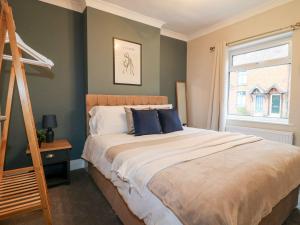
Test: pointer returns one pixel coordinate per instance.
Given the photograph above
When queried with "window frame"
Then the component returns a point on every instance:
(257, 47)
(264, 43)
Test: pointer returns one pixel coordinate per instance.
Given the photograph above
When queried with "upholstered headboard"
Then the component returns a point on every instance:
(111, 100)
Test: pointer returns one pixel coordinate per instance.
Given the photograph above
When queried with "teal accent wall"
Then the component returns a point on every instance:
(101, 28)
(58, 34)
(81, 46)
(173, 54)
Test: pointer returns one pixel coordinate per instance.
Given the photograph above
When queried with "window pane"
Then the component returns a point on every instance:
(242, 78)
(265, 93)
(275, 104)
(241, 99)
(277, 52)
(259, 103)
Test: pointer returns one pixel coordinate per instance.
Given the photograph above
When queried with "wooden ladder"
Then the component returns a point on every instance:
(21, 190)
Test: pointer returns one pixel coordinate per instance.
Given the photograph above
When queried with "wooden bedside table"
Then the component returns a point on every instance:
(56, 162)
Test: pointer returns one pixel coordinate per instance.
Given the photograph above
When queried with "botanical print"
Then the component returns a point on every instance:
(127, 62)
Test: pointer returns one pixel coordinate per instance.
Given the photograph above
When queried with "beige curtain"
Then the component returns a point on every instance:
(218, 99)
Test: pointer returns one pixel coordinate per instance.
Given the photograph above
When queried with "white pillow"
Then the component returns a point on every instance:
(107, 120)
(129, 118)
(166, 106)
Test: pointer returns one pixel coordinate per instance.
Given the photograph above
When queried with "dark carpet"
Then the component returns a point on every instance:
(81, 203)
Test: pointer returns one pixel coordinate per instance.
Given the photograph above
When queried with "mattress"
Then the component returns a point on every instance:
(148, 208)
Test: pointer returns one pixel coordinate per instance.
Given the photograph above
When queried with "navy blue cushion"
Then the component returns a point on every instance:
(169, 120)
(145, 122)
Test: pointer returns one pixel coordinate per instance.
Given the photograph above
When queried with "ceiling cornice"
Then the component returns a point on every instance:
(80, 5)
(238, 18)
(123, 12)
(75, 5)
(173, 34)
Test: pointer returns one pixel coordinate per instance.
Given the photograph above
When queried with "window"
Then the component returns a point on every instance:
(241, 99)
(259, 103)
(259, 80)
(242, 78)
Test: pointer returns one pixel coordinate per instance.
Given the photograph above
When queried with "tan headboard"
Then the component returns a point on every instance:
(111, 100)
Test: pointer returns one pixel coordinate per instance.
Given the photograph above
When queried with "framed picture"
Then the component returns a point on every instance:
(127, 62)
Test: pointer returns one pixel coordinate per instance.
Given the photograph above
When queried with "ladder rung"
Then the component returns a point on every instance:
(29, 206)
(18, 177)
(18, 183)
(19, 195)
(14, 172)
(18, 202)
(17, 191)
(3, 202)
(16, 188)
(2, 118)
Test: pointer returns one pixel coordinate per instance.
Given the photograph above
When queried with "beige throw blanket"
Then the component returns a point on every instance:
(116, 150)
(212, 179)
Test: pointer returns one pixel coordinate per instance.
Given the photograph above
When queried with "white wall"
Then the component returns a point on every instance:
(199, 64)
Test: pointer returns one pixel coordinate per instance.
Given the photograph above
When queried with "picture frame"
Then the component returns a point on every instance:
(127, 62)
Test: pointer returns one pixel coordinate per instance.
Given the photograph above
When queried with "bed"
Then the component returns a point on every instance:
(153, 207)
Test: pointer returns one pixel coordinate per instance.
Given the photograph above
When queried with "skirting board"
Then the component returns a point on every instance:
(77, 164)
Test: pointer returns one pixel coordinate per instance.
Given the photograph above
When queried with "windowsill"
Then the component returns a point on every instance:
(275, 121)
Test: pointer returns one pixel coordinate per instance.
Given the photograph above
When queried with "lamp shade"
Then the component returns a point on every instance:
(49, 121)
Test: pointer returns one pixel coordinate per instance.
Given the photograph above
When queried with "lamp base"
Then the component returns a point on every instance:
(49, 135)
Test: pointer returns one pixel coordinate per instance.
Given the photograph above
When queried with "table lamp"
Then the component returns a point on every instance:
(49, 122)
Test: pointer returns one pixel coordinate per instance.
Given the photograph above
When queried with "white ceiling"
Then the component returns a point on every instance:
(191, 16)
(182, 19)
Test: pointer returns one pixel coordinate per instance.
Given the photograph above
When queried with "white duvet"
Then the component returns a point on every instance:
(141, 202)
